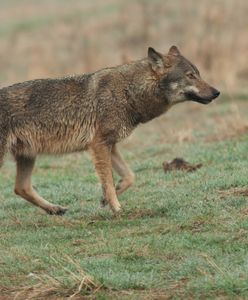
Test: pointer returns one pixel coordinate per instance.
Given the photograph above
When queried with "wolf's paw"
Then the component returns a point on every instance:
(56, 210)
(115, 207)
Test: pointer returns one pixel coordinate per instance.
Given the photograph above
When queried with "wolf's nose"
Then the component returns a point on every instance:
(215, 93)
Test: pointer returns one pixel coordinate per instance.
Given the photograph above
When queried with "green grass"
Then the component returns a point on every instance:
(179, 235)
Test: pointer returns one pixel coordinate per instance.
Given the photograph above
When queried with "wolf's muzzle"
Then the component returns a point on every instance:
(215, 92)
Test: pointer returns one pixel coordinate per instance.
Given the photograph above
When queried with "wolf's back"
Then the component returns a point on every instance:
(49, 115)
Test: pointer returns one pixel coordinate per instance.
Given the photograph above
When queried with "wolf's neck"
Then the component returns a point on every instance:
(142, 93)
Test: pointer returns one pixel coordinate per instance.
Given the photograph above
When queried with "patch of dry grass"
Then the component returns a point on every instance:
(70, 285)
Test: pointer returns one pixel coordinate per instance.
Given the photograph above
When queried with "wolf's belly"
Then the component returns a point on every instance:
(56, 140)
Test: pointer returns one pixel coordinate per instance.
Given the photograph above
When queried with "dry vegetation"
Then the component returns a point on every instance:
(47, 286)
(53, 38)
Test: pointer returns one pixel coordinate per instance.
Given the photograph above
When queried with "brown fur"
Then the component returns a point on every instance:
(92, 112)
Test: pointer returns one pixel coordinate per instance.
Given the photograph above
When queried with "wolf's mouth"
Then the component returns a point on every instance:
(194, 97)
(204, 100)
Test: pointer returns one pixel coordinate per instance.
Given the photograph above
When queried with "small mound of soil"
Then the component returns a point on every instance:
(180, 164)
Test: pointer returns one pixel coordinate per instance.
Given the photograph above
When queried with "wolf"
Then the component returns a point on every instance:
(93, 112)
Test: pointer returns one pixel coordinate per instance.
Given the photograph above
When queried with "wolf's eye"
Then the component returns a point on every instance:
(191, 75)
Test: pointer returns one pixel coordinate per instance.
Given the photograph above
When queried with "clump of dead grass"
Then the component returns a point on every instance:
(73, 282)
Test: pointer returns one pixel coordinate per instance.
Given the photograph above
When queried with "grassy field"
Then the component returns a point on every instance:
(180, 235)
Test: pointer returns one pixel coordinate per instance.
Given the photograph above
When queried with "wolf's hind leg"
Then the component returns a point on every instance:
(123, 170)
(23, 186)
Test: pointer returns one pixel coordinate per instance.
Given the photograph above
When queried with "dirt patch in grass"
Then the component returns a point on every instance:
(134, 214)
(243, 192)
(181, 165)
(244, 212)
(195, 226)
(235, 192)
(145, 213)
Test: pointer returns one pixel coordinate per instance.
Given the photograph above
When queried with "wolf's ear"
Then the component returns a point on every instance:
(174, 51)
(156, 59)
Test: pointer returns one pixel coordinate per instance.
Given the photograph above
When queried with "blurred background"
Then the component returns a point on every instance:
(51, 38)
(55, 37)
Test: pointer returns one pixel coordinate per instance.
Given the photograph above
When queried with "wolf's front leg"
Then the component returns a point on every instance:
(101, 154)
(123, 170)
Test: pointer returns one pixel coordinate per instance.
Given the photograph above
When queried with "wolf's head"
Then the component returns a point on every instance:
(178, 79)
